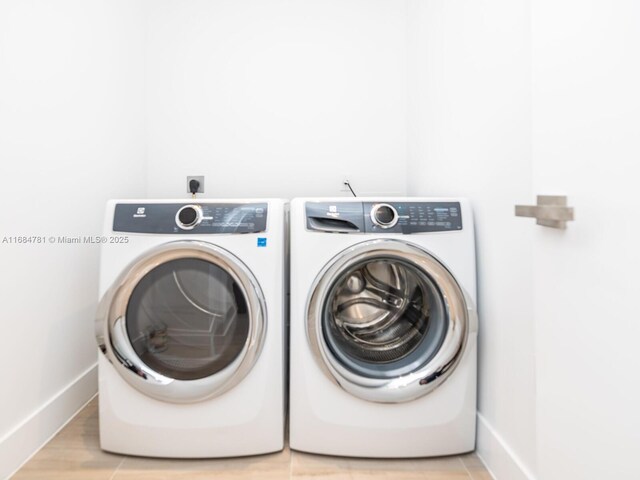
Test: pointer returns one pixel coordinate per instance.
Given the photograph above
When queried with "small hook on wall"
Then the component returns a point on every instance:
(550, 211)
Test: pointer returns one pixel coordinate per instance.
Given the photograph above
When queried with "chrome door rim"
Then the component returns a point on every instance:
(114, 342)
(428, 377)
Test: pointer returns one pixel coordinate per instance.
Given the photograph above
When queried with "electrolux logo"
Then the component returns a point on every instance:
(140, 213)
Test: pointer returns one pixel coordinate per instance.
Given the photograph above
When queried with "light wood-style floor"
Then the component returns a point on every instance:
(74, 454)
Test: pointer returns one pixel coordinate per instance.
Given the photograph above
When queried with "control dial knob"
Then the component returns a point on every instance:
(384, 215)
(189, 216)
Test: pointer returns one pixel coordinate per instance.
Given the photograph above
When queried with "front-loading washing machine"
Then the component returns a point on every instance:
(383, 327)
(191, 327)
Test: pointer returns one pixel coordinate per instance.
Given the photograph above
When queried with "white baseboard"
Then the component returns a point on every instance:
(501, 461)
(21, 443)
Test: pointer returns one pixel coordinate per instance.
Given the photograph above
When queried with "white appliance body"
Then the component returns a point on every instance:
(199, 287)
(341, 405)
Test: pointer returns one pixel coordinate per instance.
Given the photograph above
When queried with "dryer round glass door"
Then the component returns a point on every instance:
(187, 319)
(387, 321)
(184, 322)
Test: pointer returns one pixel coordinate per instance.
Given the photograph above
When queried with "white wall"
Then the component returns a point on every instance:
(71, 135)
(470, 134)
(277, 98)
(586, 144)
(522, 98)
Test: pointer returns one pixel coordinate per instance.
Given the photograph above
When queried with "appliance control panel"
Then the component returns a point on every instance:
(198, 218)
(384, 217)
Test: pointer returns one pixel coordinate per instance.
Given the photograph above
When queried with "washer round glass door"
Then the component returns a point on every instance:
(387, 321)
(184, 322)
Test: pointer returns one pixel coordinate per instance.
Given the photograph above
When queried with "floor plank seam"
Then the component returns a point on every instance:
(117, 468)
(466, 469)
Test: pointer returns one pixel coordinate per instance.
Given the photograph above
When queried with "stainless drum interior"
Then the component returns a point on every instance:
(387, 321)
(383, 317)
